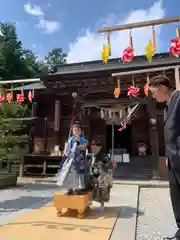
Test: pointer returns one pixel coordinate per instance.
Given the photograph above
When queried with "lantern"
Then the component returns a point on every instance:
(128, 53)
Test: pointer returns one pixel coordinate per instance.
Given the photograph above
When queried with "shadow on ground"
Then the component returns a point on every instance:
(24, 202)
(38, 187)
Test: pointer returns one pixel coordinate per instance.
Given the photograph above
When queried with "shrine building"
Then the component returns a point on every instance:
(89, 86)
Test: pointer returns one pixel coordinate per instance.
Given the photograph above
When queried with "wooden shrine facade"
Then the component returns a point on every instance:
(94, 85)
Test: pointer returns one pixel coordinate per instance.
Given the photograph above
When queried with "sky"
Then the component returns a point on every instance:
(73, 25)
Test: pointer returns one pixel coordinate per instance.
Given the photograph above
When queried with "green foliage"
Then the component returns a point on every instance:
(54, 58)
(12, 129)
(19, 63)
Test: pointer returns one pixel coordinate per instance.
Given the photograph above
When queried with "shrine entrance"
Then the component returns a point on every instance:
(122, 140)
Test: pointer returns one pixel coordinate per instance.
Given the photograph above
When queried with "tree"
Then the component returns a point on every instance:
(12, 130)
(15, 62)
(54, 58)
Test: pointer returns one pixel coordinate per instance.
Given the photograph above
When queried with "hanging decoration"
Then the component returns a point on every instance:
(175, 45)
(150, 48)
(20, 97)
(1, 98)
(146, 87)
(149, 52)
(30, 96)
(128, 53)
(102, 114)
(131, 113)
(117, 90)
(105, 53)
(133, 91)
(9, 97)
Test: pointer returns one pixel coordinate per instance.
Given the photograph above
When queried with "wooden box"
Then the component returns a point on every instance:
(76, 202)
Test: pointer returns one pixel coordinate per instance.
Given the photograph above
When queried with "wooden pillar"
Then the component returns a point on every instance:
(45, 134)
(177, 79)
(153, 136)
(57, 121)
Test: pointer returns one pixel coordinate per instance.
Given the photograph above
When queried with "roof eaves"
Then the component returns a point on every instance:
(117, 66)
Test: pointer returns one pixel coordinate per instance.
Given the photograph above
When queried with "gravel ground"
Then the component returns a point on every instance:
(15, 202)
(155, 219)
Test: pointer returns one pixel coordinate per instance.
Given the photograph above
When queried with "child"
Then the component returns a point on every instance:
(100, 170)
(73, 171)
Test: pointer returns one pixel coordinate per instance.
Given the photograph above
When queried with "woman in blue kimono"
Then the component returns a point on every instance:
(72, 175)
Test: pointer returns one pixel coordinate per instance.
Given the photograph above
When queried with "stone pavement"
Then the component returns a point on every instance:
(17, 201)
(16, 205)
(156, 220)
(21, 205)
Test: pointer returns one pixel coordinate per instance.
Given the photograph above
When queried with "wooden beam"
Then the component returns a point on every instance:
(93, 90)
(177, 79)
(35, 80)
(139, 24)
(159, 69)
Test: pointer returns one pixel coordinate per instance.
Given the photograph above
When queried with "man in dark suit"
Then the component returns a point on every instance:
(163, 91)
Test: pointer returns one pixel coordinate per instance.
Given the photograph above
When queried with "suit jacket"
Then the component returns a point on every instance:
(172, 131)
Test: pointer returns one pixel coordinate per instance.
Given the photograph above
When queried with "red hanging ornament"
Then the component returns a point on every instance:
(133, 91)
(1, 98)
(19, 98)
(175, 47)
(22, 92)
(30, 96)
(9, 97)
(128, 55)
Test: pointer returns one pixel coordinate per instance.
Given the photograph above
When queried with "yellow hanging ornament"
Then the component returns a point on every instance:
(105, 53)
(149, 51)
